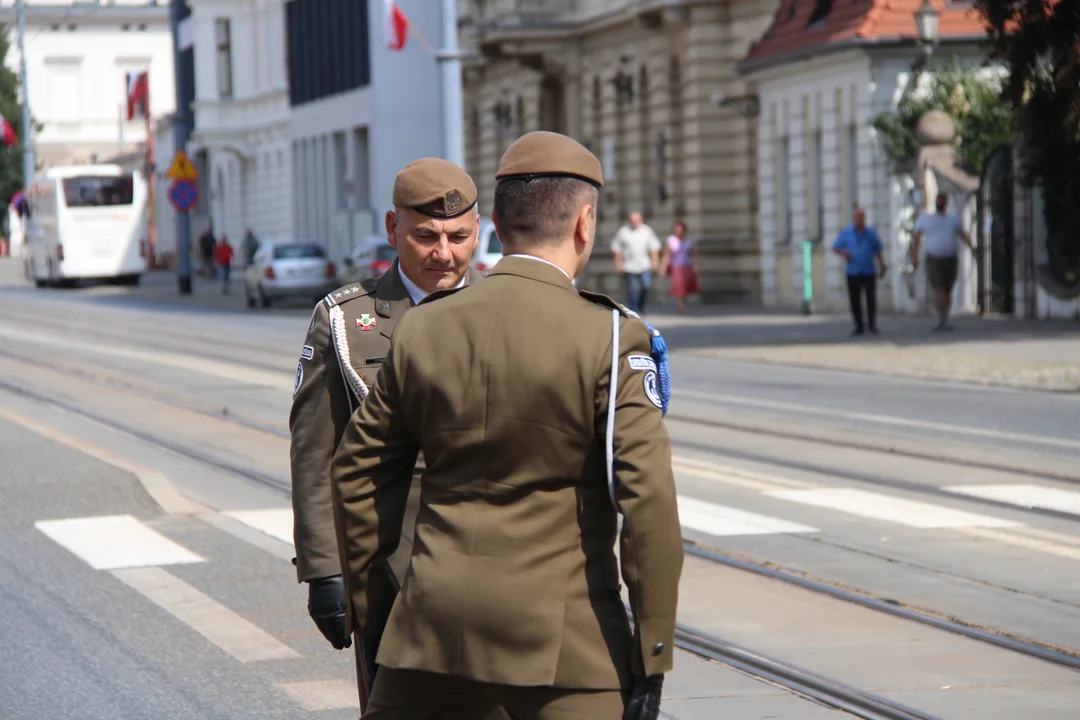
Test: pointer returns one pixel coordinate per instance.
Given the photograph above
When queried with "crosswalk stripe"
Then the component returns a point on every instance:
(275, 522)
(115, 541)
(315, 695)
(720, 520)
(890, 508)
(1026, 496)
(221, 626)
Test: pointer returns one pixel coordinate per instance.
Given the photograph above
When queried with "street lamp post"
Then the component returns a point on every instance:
(27, 127)
(927, 18)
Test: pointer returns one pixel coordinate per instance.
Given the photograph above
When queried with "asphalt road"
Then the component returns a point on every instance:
(203, 397)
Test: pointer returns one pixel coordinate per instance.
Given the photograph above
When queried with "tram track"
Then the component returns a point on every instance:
(1065, 657)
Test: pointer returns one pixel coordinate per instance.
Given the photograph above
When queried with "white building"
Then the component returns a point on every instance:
(822, 72)
(359, 113)
(240, 141)
(78, 56)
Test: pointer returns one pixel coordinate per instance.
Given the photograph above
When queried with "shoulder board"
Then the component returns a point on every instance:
(348, 292)
(440, 294)
(601, 299)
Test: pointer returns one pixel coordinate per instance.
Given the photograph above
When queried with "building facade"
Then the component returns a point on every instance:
(240, 132)
(639, 84)
(358, 113)
(822, 72)
(78, 57)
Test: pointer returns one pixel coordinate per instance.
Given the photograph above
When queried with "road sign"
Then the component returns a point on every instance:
(183, 195)
(181, 168)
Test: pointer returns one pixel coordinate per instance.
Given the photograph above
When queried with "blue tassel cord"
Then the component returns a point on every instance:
(660, 357)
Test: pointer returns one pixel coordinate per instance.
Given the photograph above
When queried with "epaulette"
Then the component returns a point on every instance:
(348, 292)
(658, 349)
(440, 294)
(601, 299)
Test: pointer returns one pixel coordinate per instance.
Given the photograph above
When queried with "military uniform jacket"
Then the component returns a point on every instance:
(513, 577)
(346, 342)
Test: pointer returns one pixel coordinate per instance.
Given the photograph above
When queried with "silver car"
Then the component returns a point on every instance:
(283, 270)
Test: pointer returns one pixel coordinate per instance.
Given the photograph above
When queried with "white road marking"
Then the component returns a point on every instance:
(890, 508)
(721, 521)
(1016, 538)
(735, 476)
(115, 541)
(315, 695)
(227, 371)
(1026, 496)
(275, 522)
(206, 616)
(880, 419)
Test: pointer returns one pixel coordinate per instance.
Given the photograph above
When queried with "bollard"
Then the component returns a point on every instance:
(808, 277)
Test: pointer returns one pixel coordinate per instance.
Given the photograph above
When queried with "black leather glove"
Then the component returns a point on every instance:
(644, 701)
(326, 606)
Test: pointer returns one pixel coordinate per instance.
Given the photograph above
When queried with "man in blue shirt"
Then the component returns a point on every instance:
(859, 245)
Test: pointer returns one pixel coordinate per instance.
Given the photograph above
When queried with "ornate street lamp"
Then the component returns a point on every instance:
(926, 21)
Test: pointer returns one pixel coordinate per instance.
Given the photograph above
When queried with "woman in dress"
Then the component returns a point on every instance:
(679, 262)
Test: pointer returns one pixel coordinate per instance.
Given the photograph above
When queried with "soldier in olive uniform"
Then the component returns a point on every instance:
(435, 227)
(539, 413)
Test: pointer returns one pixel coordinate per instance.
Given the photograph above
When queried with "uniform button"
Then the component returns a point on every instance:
(657, 649)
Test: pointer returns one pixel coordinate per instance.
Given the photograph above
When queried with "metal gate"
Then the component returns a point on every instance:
(996, 235)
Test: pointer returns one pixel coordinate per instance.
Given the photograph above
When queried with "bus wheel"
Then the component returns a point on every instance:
(132, 279)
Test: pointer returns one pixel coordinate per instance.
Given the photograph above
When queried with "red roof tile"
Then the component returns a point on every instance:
(854, 20)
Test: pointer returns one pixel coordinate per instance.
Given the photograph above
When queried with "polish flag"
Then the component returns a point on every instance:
(8, 137)
(397, 26)
(138, 94)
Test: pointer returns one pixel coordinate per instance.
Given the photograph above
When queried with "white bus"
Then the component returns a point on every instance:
(86, 222)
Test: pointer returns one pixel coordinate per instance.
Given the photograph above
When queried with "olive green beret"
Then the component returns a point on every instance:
(434, 187)
(548, 154)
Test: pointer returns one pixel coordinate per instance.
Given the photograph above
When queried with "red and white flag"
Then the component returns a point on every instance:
(138, 94)
(396, 26)
(8, 137)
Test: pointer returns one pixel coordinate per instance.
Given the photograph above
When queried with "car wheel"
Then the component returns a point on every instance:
(263, 300)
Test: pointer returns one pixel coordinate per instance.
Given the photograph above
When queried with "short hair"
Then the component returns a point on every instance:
(539, 210)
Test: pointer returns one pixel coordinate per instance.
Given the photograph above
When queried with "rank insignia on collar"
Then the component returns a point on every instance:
(365, 322)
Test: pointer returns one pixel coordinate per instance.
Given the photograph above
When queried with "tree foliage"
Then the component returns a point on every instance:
(1039, 41)
(11, 169)
(971, 98)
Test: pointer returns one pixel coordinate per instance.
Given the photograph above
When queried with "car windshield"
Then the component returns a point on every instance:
(385, 253)
(494, 245)
(292, 252)
(95, 191)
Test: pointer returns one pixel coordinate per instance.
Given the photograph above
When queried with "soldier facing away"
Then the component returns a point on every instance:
(539, 412)
(435, 227)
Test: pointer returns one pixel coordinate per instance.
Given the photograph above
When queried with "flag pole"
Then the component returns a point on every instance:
(450, 69)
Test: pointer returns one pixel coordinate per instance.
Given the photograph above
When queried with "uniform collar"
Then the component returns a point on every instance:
(533, 268)
(414, 290)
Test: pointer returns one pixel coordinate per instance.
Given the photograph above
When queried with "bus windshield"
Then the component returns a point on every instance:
(95, 191)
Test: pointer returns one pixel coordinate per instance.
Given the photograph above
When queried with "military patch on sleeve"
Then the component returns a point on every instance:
(642, 362)
(299, 377)
(652, 389)
(307, 352)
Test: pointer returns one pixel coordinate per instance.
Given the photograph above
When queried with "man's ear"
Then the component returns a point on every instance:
(583, 224)
(391, 228)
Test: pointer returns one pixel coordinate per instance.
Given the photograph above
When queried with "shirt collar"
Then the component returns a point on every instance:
(547, 262)
(415, 292)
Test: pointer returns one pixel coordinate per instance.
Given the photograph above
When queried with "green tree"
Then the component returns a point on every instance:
(971, 97)
(1039, 41)
(11, 167)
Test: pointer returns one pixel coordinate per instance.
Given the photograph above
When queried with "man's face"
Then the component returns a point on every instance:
(859, 219)
(635, 220)
(433, 252)
(942, 202)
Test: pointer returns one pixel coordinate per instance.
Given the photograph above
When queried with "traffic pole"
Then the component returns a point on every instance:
(180, 141)
(450, 71)
(27, 126)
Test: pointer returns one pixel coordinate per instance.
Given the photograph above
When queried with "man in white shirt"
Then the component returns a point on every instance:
(637, 256)
(943, 233)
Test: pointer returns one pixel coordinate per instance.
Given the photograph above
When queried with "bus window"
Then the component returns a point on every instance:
(87, 191)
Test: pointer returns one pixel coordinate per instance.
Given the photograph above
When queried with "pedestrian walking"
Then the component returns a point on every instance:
(223, 256)
(859, 244)
(637, 256)
(206, 252)
(250, 246)
(539, 413)
(680, 264)
(943, 232)
(435, 227)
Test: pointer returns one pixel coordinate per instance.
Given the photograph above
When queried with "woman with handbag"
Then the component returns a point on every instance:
(679, 263)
